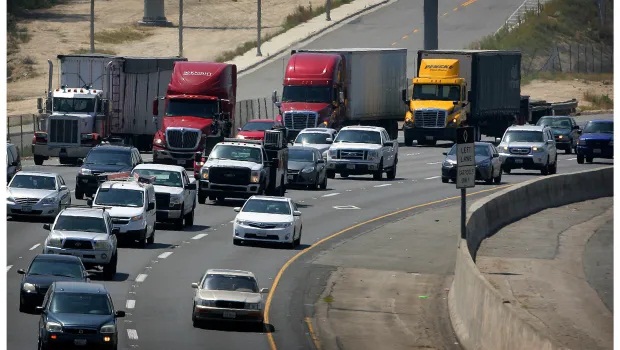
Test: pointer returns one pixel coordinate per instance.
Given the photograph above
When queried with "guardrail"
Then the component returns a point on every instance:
(517, 17)
(480, 317)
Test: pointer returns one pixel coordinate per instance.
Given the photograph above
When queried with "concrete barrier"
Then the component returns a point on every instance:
(480, 317)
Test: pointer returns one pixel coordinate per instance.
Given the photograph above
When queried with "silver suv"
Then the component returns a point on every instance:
(529, 147)
(87, 233)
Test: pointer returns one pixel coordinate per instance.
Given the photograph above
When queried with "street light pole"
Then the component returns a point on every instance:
(180, 28)
(258, 25)
(328, 7)
(92, 26)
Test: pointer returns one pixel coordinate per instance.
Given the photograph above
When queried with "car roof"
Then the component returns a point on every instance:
(128, 185)
(527, 128)
(261, 121)
(318, 130)
(113, 147)
(239, 143)
(56, 257)
(303, 148)
(153, 166)
(36, 173)
(230, 272)
(556, 116)
(601, 121)
(89, 212)
(271, 198)
(80, 287)
(363, 127)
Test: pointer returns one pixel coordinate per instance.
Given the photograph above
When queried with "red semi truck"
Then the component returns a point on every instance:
(199, 107)
(340, 87)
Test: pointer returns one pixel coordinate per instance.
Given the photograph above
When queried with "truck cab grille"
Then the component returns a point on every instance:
(430, 118)
(64, 131)
(519, 150)
(300, 120)
(183, 138)
(352, 154)
(162, 200)
(77, 244)
(230, 176)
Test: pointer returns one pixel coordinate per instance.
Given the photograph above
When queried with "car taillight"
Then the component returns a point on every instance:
(89, 138)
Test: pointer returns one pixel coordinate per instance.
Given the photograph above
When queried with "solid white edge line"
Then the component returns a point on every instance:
(34, 246)
(141, 277)
(384, 185)
(199, 236)
(433, 177)
(132, 334)
(8, 268)
(331, 194)
(164, 255)
(433, 163)
(130, 304)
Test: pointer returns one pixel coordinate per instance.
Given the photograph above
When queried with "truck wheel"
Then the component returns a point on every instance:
(391, 174)
(202, 198)
(580, 158)
(408, 140)
(421, 142)
(38, 160)
(554, 167)
(189, 219)
(330, 174)
(589, 159)
(109, 270)
(324, 183)
(445, 180)
(569, 150)
(79, 194)
(378, 175)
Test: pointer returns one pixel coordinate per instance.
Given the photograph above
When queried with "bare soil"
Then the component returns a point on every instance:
(564, 90)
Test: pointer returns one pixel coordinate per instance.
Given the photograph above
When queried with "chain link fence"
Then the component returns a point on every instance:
(569, 58)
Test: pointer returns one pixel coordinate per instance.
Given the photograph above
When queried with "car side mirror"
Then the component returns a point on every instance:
(264, 290)
(274, 96)
(119, 313)
(389, 143)
(195, 285)
(495, 155)
(444, 153)
(575, 127)
(237, 209)
(80, 162)
(89, 202)
(155, 107)
(190, 186)
(21, 271)
(329, 140)
(320, 161)
(116, 231)
(238, 129)
(403, 95)
(38, 309)
(63, 187)
(151, 206)
(47, 227)
(296, 213)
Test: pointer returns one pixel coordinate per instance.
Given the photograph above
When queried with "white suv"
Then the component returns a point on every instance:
(131, 204)
(360, 150)
(529, 147)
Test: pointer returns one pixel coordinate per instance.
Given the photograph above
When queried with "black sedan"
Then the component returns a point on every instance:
(488, 164)
(565, 131)
(306, 167)
(44, 270)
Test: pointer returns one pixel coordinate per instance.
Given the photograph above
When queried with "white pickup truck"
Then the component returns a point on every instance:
(361, 150)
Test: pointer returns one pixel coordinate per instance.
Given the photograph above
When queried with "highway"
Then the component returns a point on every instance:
(154, 284)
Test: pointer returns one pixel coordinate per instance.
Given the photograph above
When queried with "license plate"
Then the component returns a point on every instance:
(26, 208)
(80, 342)
(597, 150)
(180, 161)
(85, 181)
(261, 234)
(229, 314)
(518, 161)
(350, 166)
(430, 138)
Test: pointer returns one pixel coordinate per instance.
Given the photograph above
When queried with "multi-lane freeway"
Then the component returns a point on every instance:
(154, 284)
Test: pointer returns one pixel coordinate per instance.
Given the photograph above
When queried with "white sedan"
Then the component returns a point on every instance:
(268, 219)
(35, 193)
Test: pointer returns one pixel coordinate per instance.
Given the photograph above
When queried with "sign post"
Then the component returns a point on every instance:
(465, 168)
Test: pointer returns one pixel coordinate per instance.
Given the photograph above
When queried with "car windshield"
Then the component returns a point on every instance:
(80, 303)
(120, 197)
(80, 223)
(267, 207)
(523, 136)
(304, 93)
(558, 123)
(300, 155)
(358, 136)
(33, 182)
(248, 154)
(74, 105)
(314, 138)
(56, 268)
(599, 127)
(230, 283)
(191, 108)
(436, 92)
(258, 126)
(108, 157)
(480, 150)
(162, 177)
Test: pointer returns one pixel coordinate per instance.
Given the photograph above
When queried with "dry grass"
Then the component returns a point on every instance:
(123, 35)
(598, 101)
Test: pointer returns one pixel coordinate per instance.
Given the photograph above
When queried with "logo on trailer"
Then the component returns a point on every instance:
(189, 72)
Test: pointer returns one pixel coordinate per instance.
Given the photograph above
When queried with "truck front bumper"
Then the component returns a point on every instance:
(76, 151)
(89, 257)
(352, 168)
(181, 158)
(602, 152)
(231, 191)
(430, 134)
(527, 162)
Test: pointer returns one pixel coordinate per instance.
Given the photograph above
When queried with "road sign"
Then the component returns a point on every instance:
(465, 158)
(465, 176)
(465, 155)
(465, 135)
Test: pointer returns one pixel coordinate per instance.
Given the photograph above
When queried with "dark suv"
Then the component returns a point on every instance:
(78, 314)
(104, 159)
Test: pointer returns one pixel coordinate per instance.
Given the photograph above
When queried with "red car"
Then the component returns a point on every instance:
(255, 129)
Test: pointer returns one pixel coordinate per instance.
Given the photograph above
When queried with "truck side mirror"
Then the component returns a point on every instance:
(274, 96)
(403, 95)
(89, 202)
(40, 104)
(198, 157)
(155, 107)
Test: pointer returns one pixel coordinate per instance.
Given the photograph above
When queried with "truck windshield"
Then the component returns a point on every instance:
(599, 127)
(258, 126)
(436, 92)
(358, 136)
(192, 108)
(74, 105)
(307, 94)
(80, 223)
(523, 136)
(242, 153)
(119, 197)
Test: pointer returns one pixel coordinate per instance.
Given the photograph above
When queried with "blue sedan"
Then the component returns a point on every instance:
(596, 141)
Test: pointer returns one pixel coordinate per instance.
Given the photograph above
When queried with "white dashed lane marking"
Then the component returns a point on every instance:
(384, 185)
(199, 236)
(331, 194)
(141, 277)
(432, 177)
(8, 268)
(132, 334)
(130, 304)
(34, 246)
(164, 255)
(568, 159)
(433, 163)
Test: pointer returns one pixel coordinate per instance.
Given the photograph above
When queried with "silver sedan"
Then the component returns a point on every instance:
(37, 193)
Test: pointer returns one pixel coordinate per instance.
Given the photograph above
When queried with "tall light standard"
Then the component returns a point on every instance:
(258, 15)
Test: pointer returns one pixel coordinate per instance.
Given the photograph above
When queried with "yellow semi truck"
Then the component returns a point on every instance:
(479, 88)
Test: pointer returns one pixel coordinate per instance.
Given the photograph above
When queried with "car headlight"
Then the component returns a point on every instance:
(10, 199)
(29, 287)
(52, 326)
(241, 222)
(252, 306)
(49, 200)
(373, 155)
(332, 153)
(560, 136)
(55, 242)
(207, 302)
(285, 224)
(101, 245)
(159, 141)
(447, 164)
(84, 171)
(308, 169)
(176, 199)
(204, 174)
(255, 178)
(108, 328)
(537, 149)
(137, 217)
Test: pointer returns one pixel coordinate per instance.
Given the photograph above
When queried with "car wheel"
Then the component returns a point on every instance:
(109, 270)
(40, 345)
(195, 322)
(23, 307)
(298, 240)
(330, 174)
(236, 241)
(142, 240)
(378, 175)
(589, 159)
(38, 160)
(202, 198)
(324, 183)
(507, 170)
(151, 239)
(569, 150)
(498, 179)
(79, 194)
(580, 159)
(488, 181)
(546, 169)
(344, 175)
(554, 167)
(391, 175)
(445, 180)
(189, 219)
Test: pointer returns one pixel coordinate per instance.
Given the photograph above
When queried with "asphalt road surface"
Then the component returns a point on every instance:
(159, 303)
